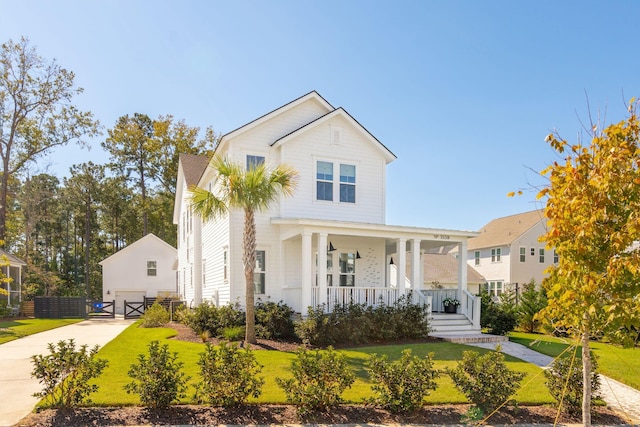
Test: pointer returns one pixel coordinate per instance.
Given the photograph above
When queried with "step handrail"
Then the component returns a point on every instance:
(472, 308)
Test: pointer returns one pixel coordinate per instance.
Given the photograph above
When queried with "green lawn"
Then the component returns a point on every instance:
(622, 364)
(14, 329)
(123, 351)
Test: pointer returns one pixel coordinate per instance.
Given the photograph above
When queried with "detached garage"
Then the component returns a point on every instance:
(145, 268)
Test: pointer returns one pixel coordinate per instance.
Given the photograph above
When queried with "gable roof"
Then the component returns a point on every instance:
(13, 260)
(389, 156)
(149, 237)
(504, 231)
(311, 95)
(443, 268)
(193, 166)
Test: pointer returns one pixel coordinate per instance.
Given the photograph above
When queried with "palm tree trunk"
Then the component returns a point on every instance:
(249, 260)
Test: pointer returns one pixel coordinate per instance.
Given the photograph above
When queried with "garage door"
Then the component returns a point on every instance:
(131, 296)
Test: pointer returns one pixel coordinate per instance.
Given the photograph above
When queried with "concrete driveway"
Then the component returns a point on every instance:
(16, 384)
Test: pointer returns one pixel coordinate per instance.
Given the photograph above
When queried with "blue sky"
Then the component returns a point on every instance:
(463, 92)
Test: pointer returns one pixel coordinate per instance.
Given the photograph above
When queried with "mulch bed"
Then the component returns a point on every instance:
(286, 414)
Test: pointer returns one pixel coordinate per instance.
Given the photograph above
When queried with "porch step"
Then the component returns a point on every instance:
(450, 324)
(466, 338)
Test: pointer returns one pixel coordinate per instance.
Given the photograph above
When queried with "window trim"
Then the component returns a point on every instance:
(256, 161)
(476, 258)
(496, 255)
(346, 274)
(346, 184)
(154, 268)
(523, 254)
(541, 255)
(262, 272)
(323, 180)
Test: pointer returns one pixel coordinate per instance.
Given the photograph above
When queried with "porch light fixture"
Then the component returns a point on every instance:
(391, 262)
(108, 291)
(331, 248)
(358, 255)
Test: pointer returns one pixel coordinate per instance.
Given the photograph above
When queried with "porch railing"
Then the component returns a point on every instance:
(368, 296)
(472, 308)
(439, 295)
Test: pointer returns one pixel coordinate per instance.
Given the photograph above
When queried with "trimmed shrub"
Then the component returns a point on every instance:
(158, 380)
(229, 375)
(5, 310)
(208, 317)
(319, 378)
(65, 373)
(401, 386)
(235, 333)
(485, 380)
(274, 320)
(155, 316)
(564, 381)
(499, 318)
(360, 324)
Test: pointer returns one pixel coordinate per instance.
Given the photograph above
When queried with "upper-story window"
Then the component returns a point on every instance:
(476, 257)
(523, 254)
(152, 268)
(541, 255)
(324, 182)
(495, 254)
(324, 179)
(556, 258)
(348, 183)
(253, 161)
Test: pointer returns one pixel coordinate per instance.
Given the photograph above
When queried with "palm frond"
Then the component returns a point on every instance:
(206, 204)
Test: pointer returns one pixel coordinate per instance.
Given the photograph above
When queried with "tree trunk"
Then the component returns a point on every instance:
(249, 260)
(4, 190)
(87, 249)
(586, 379)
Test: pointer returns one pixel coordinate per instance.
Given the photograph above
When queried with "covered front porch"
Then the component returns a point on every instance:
(329, 263)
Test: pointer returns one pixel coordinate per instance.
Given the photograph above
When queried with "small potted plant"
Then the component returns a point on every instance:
(450, 305)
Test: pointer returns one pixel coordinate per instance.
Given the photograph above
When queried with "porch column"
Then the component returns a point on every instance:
(197, 259)
(416, 262)
(462, 274)
(306, 271)
(322, 269)
(402, 264)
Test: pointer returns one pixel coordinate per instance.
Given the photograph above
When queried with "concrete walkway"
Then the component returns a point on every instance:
(16, 384)
(620, 397)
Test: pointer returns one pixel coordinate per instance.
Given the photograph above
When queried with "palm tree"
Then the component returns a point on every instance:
(251, 190)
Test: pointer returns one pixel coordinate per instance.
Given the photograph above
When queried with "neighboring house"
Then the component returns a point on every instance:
(11, 267)
(328, 243)
(508, 253)
(145, 268)
(440, 271)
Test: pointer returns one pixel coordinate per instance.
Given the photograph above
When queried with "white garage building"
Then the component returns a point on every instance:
(145, 268)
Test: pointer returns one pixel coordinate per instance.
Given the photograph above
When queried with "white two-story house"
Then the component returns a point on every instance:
(508, 252)
(329, 243)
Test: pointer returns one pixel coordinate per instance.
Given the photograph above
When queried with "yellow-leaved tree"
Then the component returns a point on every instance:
(593, 213)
